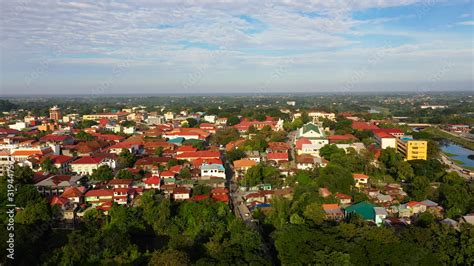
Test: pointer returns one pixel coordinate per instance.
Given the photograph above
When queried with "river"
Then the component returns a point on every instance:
(460, 152)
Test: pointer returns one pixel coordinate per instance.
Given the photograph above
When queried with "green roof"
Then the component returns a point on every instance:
(364, 209)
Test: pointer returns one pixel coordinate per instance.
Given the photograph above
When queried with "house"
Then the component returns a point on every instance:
(307, 146)
(332, 212)
(361, 180)
(61, 162)
(361, 126)
(241, 166)
(253, 155)
(341, 138)
(56, 184)
(73, 194)
(385, 140)
(363, 209)
(278, 147)
(398, 133)
(324, 192)
(458, 128)
(433, 208)
(168, 177)
(415, 207)
(380, 215)
(208, 127)
(278, 157)
(305, 162)
(467, 219)
(220, 194)
(344, 199)
(97, 197)
(57, 139)
(86, 165)
(120, 183)
(187, 133)
(181, 193)
(221, 122)
(185, 148)
(216, 170)
(147, 163)
(132, 147)
(152, 182)
(191, 156)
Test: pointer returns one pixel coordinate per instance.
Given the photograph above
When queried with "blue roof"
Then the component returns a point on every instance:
(212, 166)
(176, 140)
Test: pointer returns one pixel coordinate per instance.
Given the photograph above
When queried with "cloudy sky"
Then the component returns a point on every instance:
(147, 46)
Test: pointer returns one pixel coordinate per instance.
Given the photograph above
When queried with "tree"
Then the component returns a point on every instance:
(336, 178)
(233, 120)
(22, 174)
(201, 190)
(420, 188)
(191, 122)
(48, 166)
(125, 174)
(185, 173)
(103, 172)
(404, 171)
(327, 150)
(126, 159)
(169, 257)
(315, 213)
(35, 211)
(235, 154)
(159, 151)
(82, 135)
(224, 136)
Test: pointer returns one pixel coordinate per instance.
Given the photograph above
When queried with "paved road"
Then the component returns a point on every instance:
(454, 167)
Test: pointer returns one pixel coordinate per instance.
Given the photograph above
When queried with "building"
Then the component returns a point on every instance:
(380, 215)
(363, 209)
(181, 193)
(333, 212)
(412, 149)
(119, 116)
(241, 166)
(98, 197)
(215, 170)
(385, 140)
(55, 113)
(456, 128)
(86, 165)
(153, 182)
(360, 180)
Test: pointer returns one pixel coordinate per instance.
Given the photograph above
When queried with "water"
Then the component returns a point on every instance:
(461, 153)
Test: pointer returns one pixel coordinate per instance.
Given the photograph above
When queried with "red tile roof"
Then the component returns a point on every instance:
(58, 201)
(54, 137)
(71, 192)
(360, 176)
(167, 174)
(341, 137)
(199, 154)
(154, 180)
(87, 160)
(117, 181)
(359, 125)
(186, 148)
(181, 190)
(299, 143)
(100, 193)
(277, 156)
(58, 159)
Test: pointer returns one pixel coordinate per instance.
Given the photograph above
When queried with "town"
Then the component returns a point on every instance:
(277, 172)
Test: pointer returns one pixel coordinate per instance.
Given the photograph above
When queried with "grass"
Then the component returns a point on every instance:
(458, 162)
(450, 154)
(469, 167)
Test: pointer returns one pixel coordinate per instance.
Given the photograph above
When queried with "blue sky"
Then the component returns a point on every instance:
(145, 46)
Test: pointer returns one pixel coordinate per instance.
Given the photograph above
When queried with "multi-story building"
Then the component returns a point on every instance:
(119, 116)
(55, 113)
(412, 149)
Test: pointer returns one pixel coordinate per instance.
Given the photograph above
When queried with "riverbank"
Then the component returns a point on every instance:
(438, 133)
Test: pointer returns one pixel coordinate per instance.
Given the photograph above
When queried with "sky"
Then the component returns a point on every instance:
(101, 48)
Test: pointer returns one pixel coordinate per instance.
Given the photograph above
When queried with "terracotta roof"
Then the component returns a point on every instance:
(154, 180)
(219, 191)
(71, 192)
(117, 181)
(341, 137)
(58, 159)
(151, 160)
(388, 130)
(200, 161)
(87, 160)
(359, 125)
(58, 201)
(343, 196)
(277, 156)
(299, 143)
(360, 176)
(199, 154)
(31, 152)
(181, 190)
(305, 158)
(200, 197)
(100, 193)
(330, 206)
(167, 174)
(186, 148)
(278, 146)
(244, 163)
